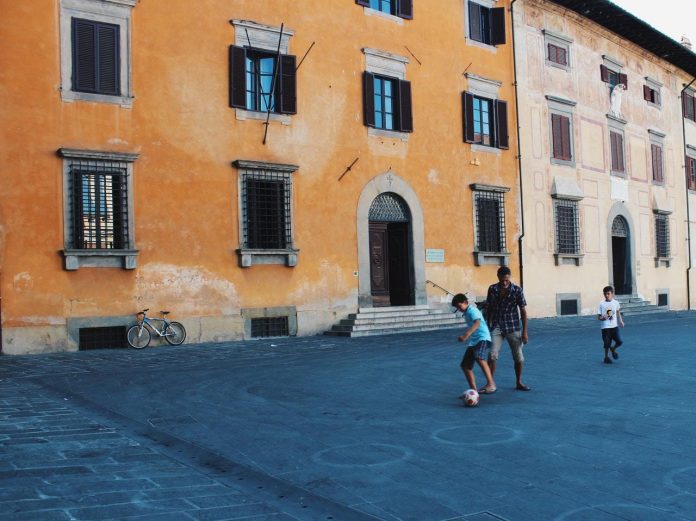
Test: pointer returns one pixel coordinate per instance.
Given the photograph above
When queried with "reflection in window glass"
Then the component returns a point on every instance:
(259, 81)
(384, 103)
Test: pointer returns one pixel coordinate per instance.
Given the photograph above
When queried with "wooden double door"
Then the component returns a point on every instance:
(391, 262)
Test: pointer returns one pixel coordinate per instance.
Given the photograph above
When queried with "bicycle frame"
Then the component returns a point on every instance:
(147, 321)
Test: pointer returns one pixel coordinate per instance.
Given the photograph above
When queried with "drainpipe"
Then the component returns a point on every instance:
(519, 151)
(688, 216)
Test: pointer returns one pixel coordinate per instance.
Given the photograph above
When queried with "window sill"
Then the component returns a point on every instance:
(491, 257)
(387, 16)
(568, 259)
(663, 261)
(249, 257)
(394, 134)
(558, 66)
(481, 45)
(76, 259)
(563, 162)
(69, 96)
(477, 147)
(242, 115)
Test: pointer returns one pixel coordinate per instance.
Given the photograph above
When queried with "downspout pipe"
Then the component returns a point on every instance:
(519, 151)
(688, 216)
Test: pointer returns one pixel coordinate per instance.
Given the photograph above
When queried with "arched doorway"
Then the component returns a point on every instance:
(390, 247)
(621, 256)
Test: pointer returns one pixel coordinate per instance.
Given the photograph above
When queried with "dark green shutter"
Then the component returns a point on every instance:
(468, 116)
(288, 84)
(497, 26)
(237, 73)
(369, 99)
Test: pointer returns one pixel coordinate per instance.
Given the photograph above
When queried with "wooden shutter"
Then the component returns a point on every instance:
(404, 9)
(468, 116)
(475, 22)
(688, 104)
(369, 99)
(108, 60)
(604, 73)
(405, 106)
(288, 84)
(557, 135)
(624, 80)
(565, 139)
(562, 56)
(497, 26)
(237, 72)
(690, 173)
(617, 160)
(501, 127)
(364, 3)
(84, 55)
(646, 93)
(657, 163)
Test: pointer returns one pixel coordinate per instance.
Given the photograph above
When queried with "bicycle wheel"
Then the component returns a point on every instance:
(176, 334)
(138, 336)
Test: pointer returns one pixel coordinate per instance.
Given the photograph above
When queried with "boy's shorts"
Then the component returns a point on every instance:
(478, 351)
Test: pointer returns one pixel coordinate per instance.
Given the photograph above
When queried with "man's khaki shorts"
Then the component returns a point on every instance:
(514, 340)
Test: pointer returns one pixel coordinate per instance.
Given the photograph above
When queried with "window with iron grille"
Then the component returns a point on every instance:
(567, 227)
(269, 327)
(266, 210)
(98, 208)
(490, 221)
(99, 205)
(662, 235)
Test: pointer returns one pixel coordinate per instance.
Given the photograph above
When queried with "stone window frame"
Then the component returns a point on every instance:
(489, 4)
(253, 35)
(482, 258)
(391, 66)
(618, 126)
(564, 107)
(487, 88)
(561, 41)
(568, 296)
(250, 256)
(115, 12)
(566, 189)
(615, 66)
(104, 258)
(655, 85)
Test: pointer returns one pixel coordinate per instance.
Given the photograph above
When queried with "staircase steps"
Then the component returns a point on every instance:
(392, 320)
(632, 305)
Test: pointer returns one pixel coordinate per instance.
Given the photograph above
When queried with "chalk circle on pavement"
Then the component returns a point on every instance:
(360, 455)
(485, 435)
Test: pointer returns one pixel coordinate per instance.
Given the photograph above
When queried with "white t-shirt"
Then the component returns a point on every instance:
(609, 309)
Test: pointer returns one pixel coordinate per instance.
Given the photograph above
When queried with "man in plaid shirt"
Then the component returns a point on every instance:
(504, 306)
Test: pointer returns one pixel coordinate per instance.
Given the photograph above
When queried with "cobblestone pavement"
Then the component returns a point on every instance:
(321, 428)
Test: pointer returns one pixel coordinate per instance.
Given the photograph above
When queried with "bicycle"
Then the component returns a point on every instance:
(140, 334)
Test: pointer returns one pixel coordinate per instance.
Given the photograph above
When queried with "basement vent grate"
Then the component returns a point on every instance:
(569, 307)
(269, 326)
(102, 337)
(662, 299)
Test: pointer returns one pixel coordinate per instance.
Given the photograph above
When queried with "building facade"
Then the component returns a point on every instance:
(254, 169)
(603, 157)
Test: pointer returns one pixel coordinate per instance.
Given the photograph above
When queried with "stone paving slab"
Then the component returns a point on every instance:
(355, 429)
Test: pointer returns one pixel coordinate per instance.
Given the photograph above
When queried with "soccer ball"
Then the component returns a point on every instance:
(470, 398)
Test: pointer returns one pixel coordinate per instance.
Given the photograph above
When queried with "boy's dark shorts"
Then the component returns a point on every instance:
(479, 351)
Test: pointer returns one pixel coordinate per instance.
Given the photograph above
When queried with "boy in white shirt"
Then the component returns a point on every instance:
(609, 313)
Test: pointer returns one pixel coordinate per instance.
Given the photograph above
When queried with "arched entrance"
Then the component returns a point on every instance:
(621, 256)
(391, 265)
(408, 204)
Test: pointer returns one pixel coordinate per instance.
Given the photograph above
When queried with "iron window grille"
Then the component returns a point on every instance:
(98, 205)
(490, 221)
(95, 57)
(269, 327)
(567, 227)
(389, 207)
(266, 210)
(662, 235)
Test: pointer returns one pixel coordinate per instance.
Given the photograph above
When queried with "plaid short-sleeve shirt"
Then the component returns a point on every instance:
(504, 310)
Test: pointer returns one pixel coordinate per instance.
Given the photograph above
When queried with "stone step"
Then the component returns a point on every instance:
(389, 325)
(390, 331)
(648, 308)
(400, 315)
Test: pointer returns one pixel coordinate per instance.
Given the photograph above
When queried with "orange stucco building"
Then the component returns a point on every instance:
(141, 167)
